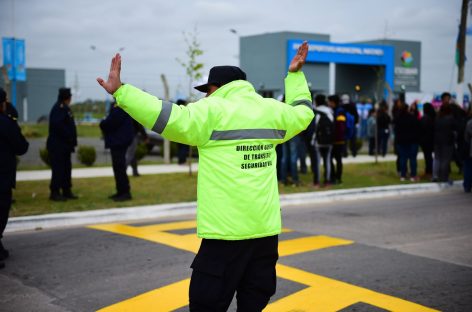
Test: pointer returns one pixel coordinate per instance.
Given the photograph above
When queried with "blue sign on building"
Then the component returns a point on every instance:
(14, 58)
(360, 54)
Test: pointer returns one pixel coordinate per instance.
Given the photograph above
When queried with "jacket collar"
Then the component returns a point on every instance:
(233, 88)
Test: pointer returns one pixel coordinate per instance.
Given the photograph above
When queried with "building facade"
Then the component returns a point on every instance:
(369, 68)
(36, 95)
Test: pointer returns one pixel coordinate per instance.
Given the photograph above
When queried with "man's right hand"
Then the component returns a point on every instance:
(299, 59)
(114, 81)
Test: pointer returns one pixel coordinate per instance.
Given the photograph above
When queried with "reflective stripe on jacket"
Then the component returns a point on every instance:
(236, 131)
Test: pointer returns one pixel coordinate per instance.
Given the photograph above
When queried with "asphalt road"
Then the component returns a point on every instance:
(403, 254)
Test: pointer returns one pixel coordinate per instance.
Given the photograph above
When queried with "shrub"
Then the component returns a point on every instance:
(86, 155)
(44, 154)
(141, 151)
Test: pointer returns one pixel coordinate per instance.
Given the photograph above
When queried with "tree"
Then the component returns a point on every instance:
(192, 67)
(193, 70)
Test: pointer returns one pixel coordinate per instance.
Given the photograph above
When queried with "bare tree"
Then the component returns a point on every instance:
(193, 69)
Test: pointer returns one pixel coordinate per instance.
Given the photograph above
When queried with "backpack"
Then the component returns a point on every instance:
(350, 125)
(324, 130)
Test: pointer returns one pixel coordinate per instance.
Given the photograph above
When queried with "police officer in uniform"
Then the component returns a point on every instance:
(118, 131)
(61, 142)
(238, 215)
(12, 143)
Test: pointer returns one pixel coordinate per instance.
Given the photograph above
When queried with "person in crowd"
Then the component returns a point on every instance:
(339, 139)
(460, 120)
(444, 137)
(12, 143)
(182, 149)
(371, 128)
(307, 137)
(290, 162)
(61, 143)
(397, 108)
(351, 108)
(236, 131)
(139, 135)
(407, 128)
(383, 128)
(119, 132)
(467, 170)
(413, 109)
(427, 137)
(323, 138)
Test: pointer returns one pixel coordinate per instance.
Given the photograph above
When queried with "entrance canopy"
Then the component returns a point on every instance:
(341, 53)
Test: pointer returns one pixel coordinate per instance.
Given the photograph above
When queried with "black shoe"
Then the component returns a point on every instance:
(69, 195)
(136, 174)
(2, 265)
(122, 197)
(57, 197)
(4, 254)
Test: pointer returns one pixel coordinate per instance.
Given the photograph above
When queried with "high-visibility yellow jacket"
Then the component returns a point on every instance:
(236, 131)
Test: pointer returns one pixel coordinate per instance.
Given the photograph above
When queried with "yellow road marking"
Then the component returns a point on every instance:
(310, 243)
(322, 293)
(167, 298)
(326, 295)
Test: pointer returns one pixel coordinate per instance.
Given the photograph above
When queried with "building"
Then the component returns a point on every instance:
(359, 69)
(38, 93)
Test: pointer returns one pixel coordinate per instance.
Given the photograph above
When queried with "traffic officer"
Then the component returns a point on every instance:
(61, 142)
(238, 215)
(12, 143)
(118, 131)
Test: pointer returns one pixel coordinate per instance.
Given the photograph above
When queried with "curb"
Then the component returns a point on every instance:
(68, 219)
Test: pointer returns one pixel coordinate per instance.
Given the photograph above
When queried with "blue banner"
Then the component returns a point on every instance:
(14, 58)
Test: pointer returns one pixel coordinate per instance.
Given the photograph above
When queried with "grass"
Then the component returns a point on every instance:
(41, 130)
(32, 196)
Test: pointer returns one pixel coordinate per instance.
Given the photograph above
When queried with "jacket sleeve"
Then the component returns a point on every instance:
(189, 124)
(300, 112)
(15, 138)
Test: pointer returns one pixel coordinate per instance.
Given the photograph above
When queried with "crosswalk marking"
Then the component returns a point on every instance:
(321, 294)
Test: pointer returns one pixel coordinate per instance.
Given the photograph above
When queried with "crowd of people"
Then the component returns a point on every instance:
(442, 134)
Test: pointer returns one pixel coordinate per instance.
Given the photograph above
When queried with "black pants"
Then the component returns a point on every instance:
(61, 169)
(337, 171)
(118, 159)
(5, 205)
(428, 159)
(222, 268)
(182, 153)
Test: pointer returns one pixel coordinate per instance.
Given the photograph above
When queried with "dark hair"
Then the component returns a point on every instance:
(334, 98)
(428, 110)
(181, 102)
(320, 99)
(444, 95)
(371, 111)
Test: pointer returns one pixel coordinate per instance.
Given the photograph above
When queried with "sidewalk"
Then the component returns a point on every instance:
(34, 175)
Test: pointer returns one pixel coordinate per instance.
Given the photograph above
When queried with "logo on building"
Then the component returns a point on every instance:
(407, 59)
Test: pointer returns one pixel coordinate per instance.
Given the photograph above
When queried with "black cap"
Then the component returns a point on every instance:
(3, 95)
(64, 94)
(221, 75)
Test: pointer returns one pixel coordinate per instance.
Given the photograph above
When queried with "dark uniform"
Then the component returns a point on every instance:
(118, 131)
(12, 143)
(61, 142)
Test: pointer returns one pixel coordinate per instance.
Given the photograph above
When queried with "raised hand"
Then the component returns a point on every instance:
(114, 81)
(299, 59)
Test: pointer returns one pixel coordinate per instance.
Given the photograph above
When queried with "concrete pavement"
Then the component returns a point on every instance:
(412, 253)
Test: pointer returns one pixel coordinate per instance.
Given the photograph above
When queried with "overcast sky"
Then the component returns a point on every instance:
(59, 34)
